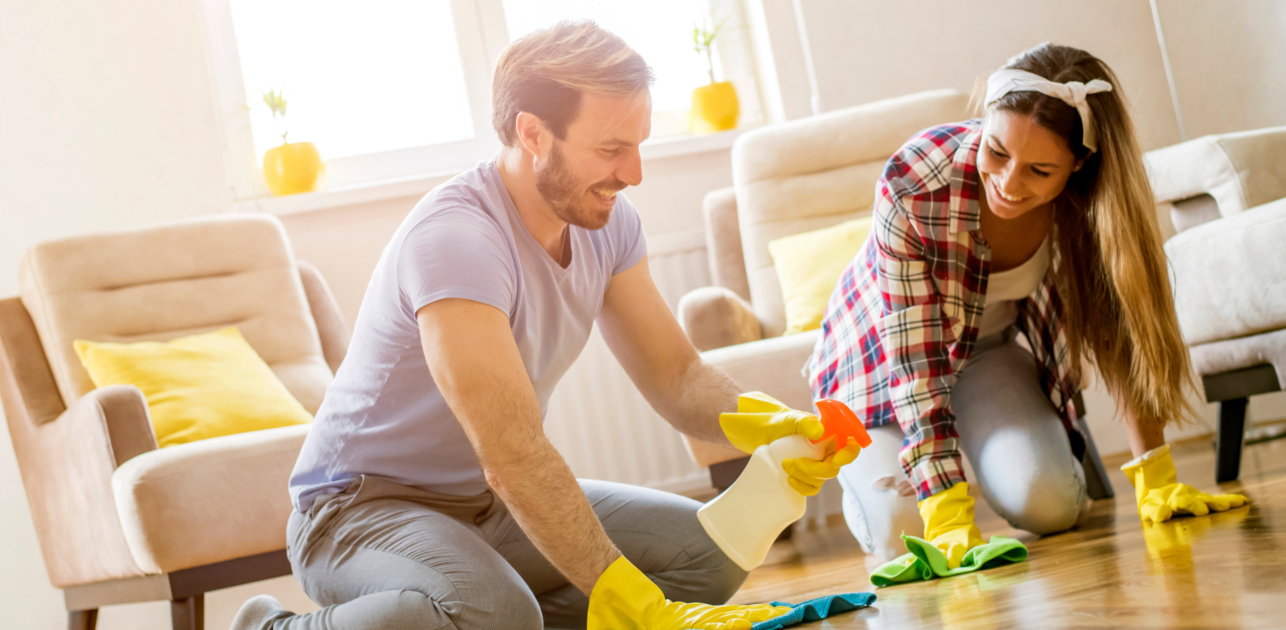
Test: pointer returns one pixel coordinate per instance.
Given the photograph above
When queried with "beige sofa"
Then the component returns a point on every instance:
(1227, 200)
(794, 177)
(118, 520)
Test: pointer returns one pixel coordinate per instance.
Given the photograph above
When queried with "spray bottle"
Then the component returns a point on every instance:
(747, 518)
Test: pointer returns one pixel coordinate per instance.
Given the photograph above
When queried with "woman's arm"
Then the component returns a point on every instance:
(1143, 435)
(914, 336)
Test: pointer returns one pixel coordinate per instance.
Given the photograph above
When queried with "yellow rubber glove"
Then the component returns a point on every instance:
(624, 599)
(1161, 496)
(807, 475)
(948, 523)
(760, 419)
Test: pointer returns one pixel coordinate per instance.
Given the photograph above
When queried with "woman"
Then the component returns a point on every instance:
(1037, 219)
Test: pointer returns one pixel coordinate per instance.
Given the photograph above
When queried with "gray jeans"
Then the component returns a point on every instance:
(381, 555)
(1010, 433)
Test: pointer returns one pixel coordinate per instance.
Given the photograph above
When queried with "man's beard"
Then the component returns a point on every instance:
(559, 188)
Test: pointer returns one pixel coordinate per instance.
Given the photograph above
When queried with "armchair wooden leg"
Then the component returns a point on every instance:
(82, 619)
(1228, 440)
(189, 613)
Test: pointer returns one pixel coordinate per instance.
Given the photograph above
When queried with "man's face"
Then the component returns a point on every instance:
(580, 175)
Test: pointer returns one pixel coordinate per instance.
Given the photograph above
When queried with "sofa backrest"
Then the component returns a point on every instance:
(159, 283)
(1218, 176)
(816, 172)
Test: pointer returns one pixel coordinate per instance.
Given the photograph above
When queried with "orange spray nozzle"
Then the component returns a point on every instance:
(841, 423)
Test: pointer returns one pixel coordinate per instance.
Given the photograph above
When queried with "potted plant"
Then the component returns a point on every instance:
(714, 106)
(293, 167)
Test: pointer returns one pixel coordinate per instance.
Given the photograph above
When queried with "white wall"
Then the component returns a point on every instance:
(1229, 62)
(867, 50)
(107, 120)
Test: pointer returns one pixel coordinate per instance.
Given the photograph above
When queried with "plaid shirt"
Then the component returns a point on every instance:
(904, 317)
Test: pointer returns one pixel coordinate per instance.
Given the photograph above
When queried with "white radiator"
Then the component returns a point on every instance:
(598, 420)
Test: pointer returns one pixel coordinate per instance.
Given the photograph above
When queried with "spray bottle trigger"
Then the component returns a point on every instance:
(842, 424)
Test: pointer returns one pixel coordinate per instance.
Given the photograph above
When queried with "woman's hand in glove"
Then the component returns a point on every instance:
(1159, 494)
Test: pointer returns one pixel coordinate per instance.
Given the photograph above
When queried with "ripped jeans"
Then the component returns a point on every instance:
(1012, 436)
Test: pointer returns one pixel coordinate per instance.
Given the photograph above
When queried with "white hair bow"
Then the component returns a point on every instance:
(1073, 93)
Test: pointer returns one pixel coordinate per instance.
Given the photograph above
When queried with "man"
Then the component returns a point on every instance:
(427, 495)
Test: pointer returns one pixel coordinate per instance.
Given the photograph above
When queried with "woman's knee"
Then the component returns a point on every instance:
(1050, 502)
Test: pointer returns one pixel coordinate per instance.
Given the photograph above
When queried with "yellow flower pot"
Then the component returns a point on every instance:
(292, 168)
(714, 108)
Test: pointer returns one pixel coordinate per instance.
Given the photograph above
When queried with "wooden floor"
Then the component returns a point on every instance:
(1220, 571)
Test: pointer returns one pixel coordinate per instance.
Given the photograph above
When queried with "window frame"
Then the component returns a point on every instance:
(481, 34)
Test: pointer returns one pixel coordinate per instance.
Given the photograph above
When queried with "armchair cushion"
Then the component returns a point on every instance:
(714, 317)
(208, 501)
(1228, 280)
(808, 267)
(197, 387)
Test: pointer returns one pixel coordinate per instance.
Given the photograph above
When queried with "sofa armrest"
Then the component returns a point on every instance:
(715, 317)
(330, 322)
(208, 501)
(67, 466)
(66, 456)
(1240, 170)
(723, 239)
(773, 366)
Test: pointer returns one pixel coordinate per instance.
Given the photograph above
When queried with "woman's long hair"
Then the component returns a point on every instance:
(1111, 276)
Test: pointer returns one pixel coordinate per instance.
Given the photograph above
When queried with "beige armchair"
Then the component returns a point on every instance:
(794, 177)
(1227, 200)
(119, 520)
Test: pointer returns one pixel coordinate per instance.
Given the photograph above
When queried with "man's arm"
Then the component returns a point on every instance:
(475, 363)
(646, 338)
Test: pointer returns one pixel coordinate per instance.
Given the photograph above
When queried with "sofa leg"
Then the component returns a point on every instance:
(1228, 441)
(82, 619)
(188, 613)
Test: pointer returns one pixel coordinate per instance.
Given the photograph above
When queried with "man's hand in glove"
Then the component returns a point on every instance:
(625, 599)
(761, 419)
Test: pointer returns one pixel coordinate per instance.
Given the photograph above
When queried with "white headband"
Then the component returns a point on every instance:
(1073, 93)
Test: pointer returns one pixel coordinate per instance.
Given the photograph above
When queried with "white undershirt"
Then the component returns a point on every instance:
(1005, 288)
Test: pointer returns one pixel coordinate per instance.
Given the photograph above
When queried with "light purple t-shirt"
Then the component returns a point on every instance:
(383, 415)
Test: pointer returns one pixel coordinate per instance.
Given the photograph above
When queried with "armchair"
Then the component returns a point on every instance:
(119, 520)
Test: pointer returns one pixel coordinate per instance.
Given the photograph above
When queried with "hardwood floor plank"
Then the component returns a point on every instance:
(1225, 570)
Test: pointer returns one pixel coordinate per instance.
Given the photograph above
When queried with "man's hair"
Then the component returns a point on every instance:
(545, 72)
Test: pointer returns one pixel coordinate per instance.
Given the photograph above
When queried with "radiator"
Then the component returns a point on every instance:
(601, 423)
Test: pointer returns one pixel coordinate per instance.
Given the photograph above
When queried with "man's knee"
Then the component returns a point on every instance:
(729, 581)
(503, 608)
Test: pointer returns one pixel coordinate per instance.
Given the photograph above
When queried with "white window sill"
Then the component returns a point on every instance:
(421, 184)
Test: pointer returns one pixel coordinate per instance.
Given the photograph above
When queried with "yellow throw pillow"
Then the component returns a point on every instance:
(809, 265)
(197, 387)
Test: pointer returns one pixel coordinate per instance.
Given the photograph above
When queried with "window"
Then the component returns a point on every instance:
(319, 53)
(396, 89)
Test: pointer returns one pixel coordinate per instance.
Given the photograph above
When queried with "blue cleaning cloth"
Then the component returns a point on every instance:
(815, 609)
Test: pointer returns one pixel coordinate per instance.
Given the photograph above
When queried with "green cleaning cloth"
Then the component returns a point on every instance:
(926, 561)
(815, 609)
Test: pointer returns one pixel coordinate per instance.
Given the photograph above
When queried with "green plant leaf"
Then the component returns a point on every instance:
(276, 102)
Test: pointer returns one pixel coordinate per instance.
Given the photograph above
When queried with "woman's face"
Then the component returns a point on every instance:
(1023, 165)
